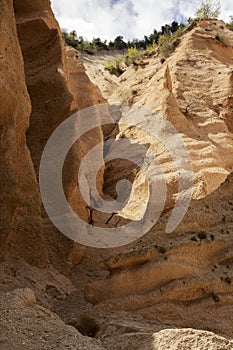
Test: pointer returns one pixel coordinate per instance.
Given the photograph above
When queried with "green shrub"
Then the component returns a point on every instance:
(86, 46)
(115, 66)
(132, 55)
(150, 49)
(165, 45)
(208, 9)
(71, 39)
(231, 23)
(168, 43)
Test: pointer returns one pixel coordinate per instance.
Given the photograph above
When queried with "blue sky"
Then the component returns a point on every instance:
(131, 18)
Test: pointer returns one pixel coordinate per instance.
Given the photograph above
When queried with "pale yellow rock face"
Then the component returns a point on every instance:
(95, 65)
(172, 339)
(192, 89)
(182, 339)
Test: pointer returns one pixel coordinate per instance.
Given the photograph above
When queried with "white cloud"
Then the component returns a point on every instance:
(131, 18)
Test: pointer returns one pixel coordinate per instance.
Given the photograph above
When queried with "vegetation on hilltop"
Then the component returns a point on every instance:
(118, 43)
(208, 9)
(231, 23)
(163, 41)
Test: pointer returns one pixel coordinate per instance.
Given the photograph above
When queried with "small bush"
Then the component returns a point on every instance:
(194, 239)
(165, 45)
(231, 23)
(168, 43)
(150, 50)
(132, 55)
(208, 9)
(115, 66)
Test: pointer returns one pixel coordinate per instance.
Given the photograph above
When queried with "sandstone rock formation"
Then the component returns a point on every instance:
(171, 339)
(57, 86)
(169, 278)
(20, 217)
(193, 90)
(174, 339)
(189, 339)
(161, 281)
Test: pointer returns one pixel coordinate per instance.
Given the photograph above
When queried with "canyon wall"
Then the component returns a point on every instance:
(42, 85)
(21, 226)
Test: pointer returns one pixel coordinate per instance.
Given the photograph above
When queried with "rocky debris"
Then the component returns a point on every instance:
(48, 285)
(26, 325)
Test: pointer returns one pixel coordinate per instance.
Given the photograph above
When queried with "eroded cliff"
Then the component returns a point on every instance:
(192, 89)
